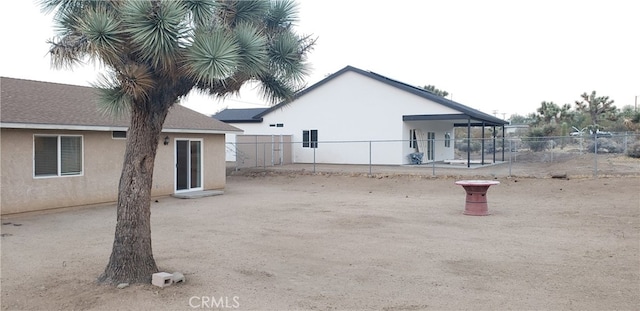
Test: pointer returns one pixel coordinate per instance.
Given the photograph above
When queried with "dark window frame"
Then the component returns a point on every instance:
(118, 135)
(310, 139)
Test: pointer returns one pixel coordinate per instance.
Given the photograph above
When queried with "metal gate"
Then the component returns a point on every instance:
(263, 150)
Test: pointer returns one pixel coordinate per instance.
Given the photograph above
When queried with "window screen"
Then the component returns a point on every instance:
(314, 138)
(70, 155)
(119, 134)
(305, 139)
(46, 155)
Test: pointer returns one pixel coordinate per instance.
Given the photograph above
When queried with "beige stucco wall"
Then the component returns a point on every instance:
(103, 156)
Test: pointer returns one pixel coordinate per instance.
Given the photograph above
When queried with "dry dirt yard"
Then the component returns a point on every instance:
(283, 241)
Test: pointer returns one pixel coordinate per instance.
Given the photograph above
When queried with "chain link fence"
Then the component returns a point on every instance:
(542, 157)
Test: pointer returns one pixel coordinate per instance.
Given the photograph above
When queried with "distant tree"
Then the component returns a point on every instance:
(436, 91)
(596, 107)
(547, 112)
(551, 113)
(630, 118)
(520, 119)
(155, 53)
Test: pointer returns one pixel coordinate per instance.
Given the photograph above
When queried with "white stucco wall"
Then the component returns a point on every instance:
(348, 112)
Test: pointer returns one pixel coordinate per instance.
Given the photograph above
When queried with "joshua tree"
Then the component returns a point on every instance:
(595, 107)
(156, 52)
(436, 91)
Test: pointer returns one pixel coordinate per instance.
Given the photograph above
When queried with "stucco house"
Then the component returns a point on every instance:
(58, 150)
(333, 120)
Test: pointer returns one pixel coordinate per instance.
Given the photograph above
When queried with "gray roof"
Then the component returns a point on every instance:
(47, 105)
(466, 113)
(239, 115)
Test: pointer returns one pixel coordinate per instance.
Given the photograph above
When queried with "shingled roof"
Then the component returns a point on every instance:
(47, 105)
(240, 115)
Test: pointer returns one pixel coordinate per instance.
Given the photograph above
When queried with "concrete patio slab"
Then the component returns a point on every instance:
(197, 194)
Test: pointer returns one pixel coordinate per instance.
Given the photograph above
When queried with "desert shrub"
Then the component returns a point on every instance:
(634, 151)
(461, 145)
(536, 139)
(489, 147)
(605, 145)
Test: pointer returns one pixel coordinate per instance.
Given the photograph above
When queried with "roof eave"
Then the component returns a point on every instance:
(241, 121)
(67, 127)
(453, 117)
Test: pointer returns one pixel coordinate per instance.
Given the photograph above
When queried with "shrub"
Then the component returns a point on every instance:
(462, 145)
(536, 140)
(634, 151)
(605, 146)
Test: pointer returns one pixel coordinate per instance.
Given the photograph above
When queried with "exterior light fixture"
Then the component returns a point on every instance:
(166, 140)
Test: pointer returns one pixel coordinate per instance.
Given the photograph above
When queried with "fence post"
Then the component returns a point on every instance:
(595, 155)
(625, 142)
(369, 158)
(510, 154)
(235, 148)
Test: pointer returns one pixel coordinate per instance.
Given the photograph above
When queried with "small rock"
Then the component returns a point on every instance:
(178, 277)
(6, 223)
(17, 225)
(123, 285)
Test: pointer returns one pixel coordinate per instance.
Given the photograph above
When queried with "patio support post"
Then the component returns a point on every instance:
(494, 144)
(469, 142)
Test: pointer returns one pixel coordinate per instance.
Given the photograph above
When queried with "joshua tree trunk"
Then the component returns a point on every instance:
(131, 258)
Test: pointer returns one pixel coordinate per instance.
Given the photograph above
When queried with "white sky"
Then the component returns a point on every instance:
(504, 56)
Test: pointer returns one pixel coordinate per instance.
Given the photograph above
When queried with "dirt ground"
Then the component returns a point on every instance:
(290, 241)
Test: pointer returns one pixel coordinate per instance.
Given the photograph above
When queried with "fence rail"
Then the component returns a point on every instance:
(500, 157)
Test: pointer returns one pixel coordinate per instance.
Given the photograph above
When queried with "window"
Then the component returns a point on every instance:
(119, 134)
(413, 140)
(310, 139)
(59, 155)
(276, 125)
(447, 140)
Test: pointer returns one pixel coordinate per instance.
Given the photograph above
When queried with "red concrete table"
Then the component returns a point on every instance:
(476, 203)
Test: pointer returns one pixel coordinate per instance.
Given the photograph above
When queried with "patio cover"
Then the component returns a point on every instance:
(473, 119)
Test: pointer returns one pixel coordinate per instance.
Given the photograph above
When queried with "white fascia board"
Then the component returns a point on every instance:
(33, 126)
(189, 131)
